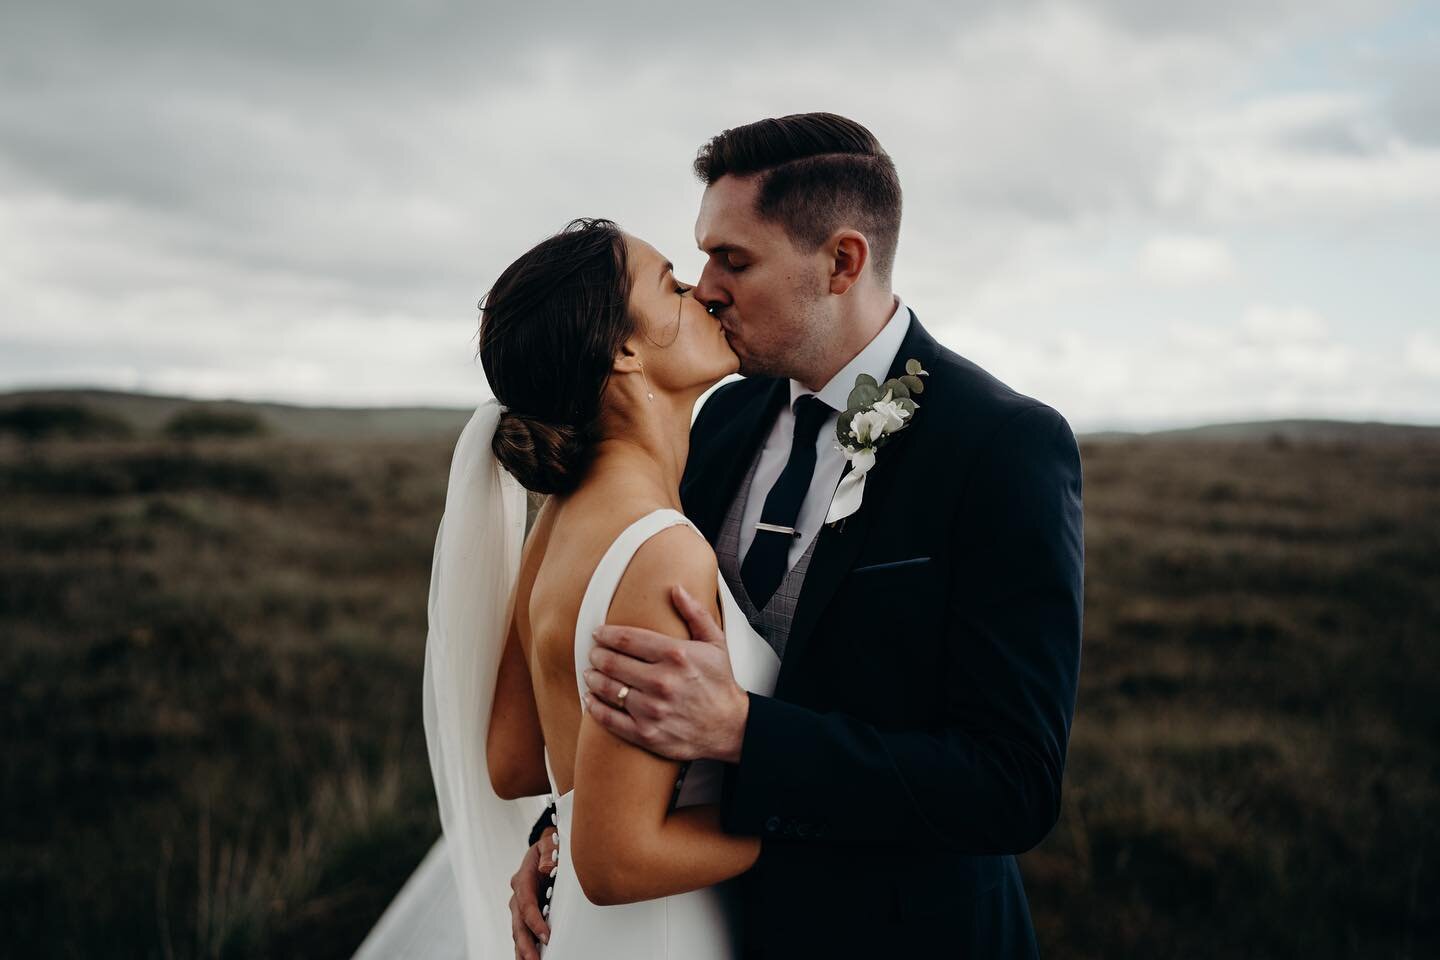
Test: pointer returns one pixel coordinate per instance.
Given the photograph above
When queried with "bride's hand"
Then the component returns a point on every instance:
(526, 923)
(681, 699)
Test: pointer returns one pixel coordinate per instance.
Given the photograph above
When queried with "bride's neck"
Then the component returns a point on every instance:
(649, 442)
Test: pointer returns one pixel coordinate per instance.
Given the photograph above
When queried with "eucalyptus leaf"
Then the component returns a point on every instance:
(913, 368)
(908, 405)
(897, 389)
(866, 379)
(913, 382)
(863, 395)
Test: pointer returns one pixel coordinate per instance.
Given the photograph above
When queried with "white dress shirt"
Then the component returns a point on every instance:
(875, 359)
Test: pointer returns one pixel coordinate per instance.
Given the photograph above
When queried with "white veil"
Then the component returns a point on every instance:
(455, 903)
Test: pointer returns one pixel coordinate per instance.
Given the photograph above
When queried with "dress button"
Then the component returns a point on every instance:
(803, 830)
(772, 825)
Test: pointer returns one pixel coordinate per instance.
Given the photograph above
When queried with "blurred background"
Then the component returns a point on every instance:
(240, 251)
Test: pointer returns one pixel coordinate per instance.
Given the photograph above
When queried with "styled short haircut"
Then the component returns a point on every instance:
(818, 172)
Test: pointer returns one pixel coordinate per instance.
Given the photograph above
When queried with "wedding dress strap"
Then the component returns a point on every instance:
(606, 580)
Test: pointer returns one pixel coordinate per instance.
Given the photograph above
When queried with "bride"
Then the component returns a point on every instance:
(597, 356)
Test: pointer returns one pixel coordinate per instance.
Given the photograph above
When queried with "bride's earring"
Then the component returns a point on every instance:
(648, 394)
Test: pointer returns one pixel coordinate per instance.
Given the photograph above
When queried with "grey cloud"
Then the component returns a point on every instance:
(152, 102)
(366, 161)
(1414, 96)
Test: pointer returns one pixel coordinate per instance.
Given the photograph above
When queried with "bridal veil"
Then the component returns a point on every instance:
(455, 903)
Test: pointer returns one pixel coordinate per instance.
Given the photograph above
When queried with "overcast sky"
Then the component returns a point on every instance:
(1144, 213)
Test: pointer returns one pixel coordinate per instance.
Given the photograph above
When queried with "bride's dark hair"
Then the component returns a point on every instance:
(550, 328)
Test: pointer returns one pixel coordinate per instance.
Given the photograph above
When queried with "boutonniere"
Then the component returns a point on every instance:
(874, 412)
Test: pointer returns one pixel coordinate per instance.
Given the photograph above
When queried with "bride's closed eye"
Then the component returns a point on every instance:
(681, 289)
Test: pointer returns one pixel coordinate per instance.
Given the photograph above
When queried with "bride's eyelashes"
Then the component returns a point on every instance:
(681, 289)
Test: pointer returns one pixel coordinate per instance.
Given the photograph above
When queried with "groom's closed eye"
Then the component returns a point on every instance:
(729, 258)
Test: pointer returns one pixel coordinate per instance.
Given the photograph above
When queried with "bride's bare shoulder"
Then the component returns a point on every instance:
(581, 530)
(676, 556)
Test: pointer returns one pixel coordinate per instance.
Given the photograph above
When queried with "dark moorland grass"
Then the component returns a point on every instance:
(212, 651)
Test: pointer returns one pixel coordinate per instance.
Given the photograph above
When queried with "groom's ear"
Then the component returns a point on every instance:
(849, 251)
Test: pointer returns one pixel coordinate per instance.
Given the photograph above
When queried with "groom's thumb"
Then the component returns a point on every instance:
(697, 618)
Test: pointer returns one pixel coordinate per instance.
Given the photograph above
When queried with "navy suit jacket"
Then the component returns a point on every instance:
(916, 738)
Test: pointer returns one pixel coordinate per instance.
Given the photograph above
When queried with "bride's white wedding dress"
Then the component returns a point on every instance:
(702, 924)
(454, 906)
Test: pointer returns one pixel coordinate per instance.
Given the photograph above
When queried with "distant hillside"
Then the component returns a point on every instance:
(1291, 431)
(148, 414)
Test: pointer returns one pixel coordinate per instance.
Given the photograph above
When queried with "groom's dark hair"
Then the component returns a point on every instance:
(818, 172)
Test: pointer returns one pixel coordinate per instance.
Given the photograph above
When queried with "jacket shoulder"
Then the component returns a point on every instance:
(723, 402)
(977, 403)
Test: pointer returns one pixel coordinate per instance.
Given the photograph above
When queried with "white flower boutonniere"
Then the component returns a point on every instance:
(874, 413)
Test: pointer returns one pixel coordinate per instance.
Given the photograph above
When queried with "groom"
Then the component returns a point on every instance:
(930, 641)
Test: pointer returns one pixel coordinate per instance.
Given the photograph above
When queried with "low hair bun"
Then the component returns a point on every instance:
(545, 457)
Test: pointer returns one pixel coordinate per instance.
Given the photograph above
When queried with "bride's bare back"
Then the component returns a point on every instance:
(627, 843)
(568, 541)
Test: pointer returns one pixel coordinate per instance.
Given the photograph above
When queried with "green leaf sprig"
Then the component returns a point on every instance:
(868, 392)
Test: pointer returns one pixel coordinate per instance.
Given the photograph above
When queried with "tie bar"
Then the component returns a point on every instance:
(776, 528)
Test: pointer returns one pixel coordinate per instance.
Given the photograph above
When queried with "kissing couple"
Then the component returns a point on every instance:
(795, 678)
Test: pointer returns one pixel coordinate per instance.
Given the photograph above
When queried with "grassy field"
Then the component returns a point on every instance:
(212, 649)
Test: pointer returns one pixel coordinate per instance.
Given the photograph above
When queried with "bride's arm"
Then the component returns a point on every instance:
(627, 844)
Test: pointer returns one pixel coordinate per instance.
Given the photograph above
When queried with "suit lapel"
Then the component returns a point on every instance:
(718, 462)
(837, 547)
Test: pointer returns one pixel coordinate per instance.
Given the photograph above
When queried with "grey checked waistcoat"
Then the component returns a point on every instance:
(772, 623)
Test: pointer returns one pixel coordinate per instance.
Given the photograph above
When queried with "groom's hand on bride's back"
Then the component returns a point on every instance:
(681, 700)
(527, 924)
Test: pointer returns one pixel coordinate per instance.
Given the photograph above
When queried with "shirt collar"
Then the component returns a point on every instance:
(875, 359)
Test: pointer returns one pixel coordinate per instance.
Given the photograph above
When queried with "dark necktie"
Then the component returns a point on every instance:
(768, 557)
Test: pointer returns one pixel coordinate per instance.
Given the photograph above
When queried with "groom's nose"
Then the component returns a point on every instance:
(709, 291)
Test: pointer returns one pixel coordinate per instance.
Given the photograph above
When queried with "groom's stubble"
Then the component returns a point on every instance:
(804, 344)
